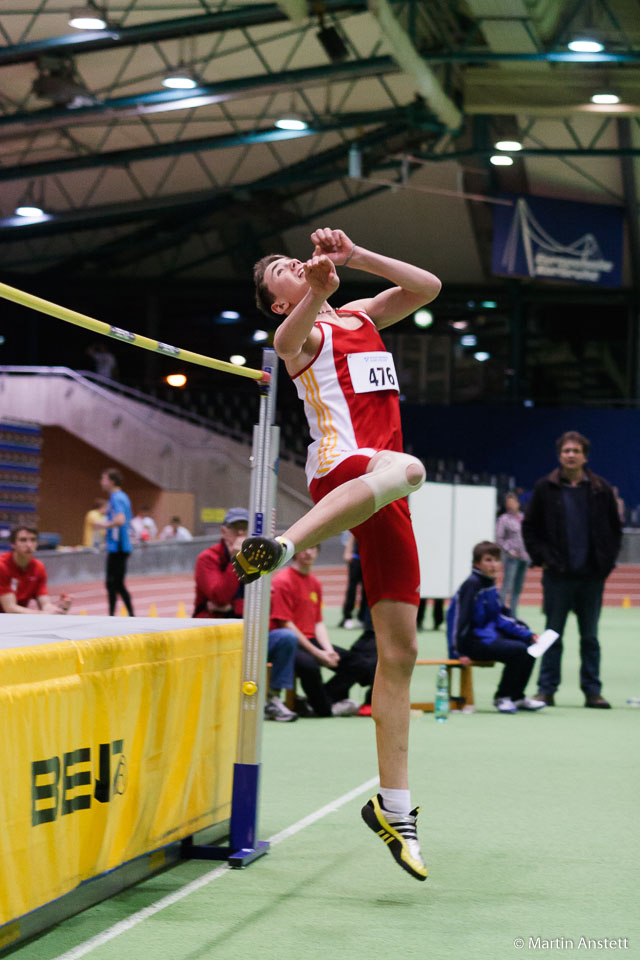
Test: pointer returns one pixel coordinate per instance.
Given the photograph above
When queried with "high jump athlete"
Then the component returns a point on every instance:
(358, 477)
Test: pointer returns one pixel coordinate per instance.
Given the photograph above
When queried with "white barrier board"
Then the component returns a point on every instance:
(448, 520)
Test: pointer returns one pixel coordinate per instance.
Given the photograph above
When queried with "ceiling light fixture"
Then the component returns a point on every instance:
(259, 336)
(511, 145)
(27, 210)
(291, 122)
(501, 160)
(180, 81)
(88, 17)
(176, 380)
(605, 97)
(469, 340)
(481, 356)
(585, 45)
(238, 359)
(423, 318)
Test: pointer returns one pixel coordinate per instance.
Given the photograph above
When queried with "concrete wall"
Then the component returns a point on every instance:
(161, 452)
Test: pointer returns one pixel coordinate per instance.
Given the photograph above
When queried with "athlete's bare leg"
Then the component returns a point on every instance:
(346, 507)
(395, 628)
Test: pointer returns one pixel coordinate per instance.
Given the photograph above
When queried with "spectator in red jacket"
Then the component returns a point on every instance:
(219, 593)
(23, 578)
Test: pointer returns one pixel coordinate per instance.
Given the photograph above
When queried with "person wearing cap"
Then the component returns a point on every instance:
(219, 593)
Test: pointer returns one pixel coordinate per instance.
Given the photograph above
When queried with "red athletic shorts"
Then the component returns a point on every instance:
(387, 546)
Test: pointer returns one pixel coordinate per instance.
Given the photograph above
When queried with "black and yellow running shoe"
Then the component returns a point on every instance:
(258, 556)
(399, 832)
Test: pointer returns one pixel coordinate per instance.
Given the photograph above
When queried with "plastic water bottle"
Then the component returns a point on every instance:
(441, 706)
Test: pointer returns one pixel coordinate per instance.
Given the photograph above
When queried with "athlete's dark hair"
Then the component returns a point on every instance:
(264, 296)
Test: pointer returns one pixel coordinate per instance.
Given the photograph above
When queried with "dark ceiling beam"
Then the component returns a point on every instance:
(577, 153)
(89, 41)
(159, 101)
(200, 212)
(483, 57)
(414, 117)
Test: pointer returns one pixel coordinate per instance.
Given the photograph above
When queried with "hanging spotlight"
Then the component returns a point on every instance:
(332, 43)
(238, 359)
(481, 356)
(469, 340)
(501, 160)
(89, 17)
(31, 204)
(176, 380)
(259, 336)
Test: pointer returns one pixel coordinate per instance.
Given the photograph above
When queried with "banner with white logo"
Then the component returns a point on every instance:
(111, 748)
(558, 240)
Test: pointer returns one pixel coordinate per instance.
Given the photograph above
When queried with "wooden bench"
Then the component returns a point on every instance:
(465, 700)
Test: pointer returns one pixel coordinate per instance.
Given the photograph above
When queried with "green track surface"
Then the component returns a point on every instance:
(529, 826)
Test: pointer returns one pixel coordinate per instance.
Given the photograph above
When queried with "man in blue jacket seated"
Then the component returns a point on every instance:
(480, 628)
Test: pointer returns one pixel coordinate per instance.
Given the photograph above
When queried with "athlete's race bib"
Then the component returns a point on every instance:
(370, 372)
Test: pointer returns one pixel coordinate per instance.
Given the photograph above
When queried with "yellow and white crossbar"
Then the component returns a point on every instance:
(135, 339)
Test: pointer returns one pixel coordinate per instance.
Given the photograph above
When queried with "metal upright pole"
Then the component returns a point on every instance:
(244, 845)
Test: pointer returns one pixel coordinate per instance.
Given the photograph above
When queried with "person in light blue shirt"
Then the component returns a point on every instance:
(118, 540)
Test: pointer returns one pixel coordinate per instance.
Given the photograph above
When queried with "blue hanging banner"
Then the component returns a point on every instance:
(558, 240)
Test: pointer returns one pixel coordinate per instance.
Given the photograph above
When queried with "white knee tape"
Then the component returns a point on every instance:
(388, 479)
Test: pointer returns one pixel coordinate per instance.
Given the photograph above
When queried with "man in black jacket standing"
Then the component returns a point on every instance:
(572, 530)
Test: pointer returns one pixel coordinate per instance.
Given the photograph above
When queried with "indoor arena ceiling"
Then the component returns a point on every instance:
(403, 100)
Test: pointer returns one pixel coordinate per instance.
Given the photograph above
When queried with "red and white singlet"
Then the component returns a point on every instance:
(350, 396)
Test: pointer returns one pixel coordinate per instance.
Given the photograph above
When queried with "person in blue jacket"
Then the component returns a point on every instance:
(480, 628)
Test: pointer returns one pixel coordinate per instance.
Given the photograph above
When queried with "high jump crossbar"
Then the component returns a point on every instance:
(135, 339)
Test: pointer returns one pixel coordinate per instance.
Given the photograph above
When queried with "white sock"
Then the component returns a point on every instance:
(396, 801)
(288, 551)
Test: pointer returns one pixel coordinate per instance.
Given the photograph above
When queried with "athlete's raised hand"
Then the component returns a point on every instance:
(334, 244)
(321, 275)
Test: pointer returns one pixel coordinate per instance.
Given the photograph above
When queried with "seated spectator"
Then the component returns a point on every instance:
(92, 535)
(23, 578)
(357, 665)
(219, 593)
(174, 531)
(478, 628)
(143, 526)
(296, 606)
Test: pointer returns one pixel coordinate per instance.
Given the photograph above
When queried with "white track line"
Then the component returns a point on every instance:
(112, 932)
